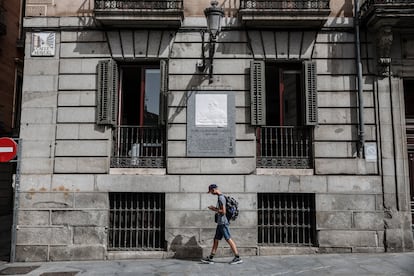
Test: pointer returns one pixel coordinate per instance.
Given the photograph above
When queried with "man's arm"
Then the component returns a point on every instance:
(221, 209)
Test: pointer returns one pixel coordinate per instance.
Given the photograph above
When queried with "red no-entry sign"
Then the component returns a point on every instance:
(8, 149)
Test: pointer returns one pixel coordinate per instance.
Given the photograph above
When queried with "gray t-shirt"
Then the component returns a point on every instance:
(221, 201)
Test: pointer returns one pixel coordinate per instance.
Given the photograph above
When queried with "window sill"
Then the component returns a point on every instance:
(141, 171)
(261, 171)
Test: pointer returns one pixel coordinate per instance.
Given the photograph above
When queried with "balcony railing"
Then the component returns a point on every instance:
(284, 4)
(138, 4)
(139, 13)
(284, 147)
(389, 12)
(284, 13)
(138, 147)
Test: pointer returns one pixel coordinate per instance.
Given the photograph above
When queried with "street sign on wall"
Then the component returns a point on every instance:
(8, 149)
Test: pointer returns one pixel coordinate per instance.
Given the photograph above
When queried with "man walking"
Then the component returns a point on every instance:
(222, 229)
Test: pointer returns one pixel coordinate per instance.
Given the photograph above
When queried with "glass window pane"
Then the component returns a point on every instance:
(290, 98)
(152, 96)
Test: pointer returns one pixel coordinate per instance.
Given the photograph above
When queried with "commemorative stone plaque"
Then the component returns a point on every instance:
(211, 124)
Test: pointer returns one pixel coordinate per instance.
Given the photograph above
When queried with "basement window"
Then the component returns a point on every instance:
(286, 219)
(136, 221)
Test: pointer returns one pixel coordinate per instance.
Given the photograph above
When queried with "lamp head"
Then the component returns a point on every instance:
(214, 14)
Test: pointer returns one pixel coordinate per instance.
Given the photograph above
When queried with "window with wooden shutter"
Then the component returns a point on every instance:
(311, 104)
(163, 92)
(107, 94)
(284, 140)
(257, 93)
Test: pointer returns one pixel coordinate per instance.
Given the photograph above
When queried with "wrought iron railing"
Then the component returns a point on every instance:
(284, 147)
(286, 219)
(138, 4)
(370, 3)
(138, 147)
(284, 4)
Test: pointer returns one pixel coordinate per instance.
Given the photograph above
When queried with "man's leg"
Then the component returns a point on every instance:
(233, 247)
(236, 259)
(215, 246)
(217, 237)
(209, 259)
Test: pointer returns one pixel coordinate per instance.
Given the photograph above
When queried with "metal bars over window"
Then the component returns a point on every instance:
(136, 221)
(286, 219)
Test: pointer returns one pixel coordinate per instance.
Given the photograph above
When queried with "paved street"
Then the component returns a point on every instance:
(322, 264)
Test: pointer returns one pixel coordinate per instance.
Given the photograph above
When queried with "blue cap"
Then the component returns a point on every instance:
(211, 187)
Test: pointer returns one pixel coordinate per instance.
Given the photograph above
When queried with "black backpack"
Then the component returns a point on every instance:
(232, 208)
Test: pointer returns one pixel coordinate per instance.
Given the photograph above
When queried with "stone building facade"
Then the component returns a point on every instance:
(132, 108)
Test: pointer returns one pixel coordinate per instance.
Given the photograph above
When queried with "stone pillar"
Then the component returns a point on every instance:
(397, 217)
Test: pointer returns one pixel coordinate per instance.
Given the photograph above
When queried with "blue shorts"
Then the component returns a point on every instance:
(222, 230)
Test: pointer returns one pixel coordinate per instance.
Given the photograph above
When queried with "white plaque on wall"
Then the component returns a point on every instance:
(370, 152)
(43, 44)
(211, 110)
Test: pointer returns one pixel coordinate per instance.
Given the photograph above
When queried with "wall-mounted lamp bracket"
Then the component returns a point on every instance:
(213, 14)
(201, 63)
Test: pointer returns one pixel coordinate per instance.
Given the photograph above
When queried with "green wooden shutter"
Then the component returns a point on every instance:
(257, 93)
(311, 104)
(107, 94)
(163, 92)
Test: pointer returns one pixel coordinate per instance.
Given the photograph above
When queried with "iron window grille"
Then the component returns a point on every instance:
(136, 221)
(286, 219)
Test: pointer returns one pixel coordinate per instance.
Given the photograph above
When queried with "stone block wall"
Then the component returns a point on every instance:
(66, 218)
(61, 217)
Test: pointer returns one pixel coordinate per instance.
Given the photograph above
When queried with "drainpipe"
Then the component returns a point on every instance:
(361, 125)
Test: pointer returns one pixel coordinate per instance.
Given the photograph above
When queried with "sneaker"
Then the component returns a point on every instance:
(207, 260)
(236, 260)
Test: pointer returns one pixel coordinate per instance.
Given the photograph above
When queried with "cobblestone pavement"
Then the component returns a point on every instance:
(321, 264)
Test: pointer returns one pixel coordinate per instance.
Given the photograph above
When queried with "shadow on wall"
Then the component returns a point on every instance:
(86, 8)
(231, 9)
(191, 249)
(85, 17)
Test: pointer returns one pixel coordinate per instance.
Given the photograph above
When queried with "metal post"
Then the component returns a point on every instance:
(211, 56)
(16, 201)
(361, 123)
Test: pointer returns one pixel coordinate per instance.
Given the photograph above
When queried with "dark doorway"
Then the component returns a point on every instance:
(409, 119)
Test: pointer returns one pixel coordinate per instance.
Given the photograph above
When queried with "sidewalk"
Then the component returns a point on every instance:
(321, 264)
